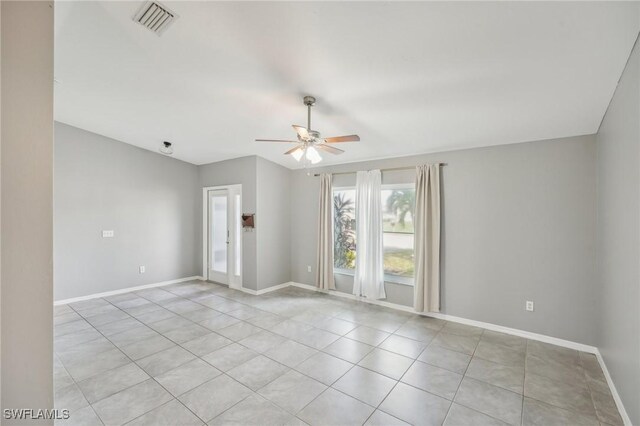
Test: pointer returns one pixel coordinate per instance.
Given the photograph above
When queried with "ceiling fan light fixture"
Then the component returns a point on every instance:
(313, 155)
(297, 154)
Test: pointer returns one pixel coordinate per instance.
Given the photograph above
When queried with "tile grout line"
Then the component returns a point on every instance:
(399, 380)
(321, 351)
(592, 391)
(132, 361)
(148, 325)
(78, 387)
(332, 315)
(377, 346)
(232, 378)
(565, 408)
(347, 333)
(198, 357)
(91, 404)
(407, 320)
(330, 386)
(464, 374)
(524, 380)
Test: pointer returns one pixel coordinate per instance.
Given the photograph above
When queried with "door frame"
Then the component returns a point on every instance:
(205, 229)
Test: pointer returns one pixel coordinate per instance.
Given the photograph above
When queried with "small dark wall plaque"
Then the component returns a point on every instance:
(247, 220)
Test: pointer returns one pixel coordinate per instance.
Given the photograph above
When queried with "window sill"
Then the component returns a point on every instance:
(387, 277)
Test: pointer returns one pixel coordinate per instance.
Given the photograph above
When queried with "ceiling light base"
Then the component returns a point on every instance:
(309, 100)
(166, 148)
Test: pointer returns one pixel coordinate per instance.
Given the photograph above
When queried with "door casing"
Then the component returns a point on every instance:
(234, 281)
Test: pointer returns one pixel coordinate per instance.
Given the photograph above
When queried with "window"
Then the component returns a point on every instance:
(344, 228)
(397, 223)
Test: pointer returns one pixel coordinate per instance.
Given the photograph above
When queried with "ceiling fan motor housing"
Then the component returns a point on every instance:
(309, 100)
(313, 136)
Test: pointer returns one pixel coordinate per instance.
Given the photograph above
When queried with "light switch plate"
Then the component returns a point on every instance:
(107, 234)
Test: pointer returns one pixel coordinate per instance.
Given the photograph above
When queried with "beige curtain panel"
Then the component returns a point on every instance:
(324, 264)
(427, 239)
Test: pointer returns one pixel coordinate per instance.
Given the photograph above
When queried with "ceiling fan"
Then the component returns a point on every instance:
(309, 141)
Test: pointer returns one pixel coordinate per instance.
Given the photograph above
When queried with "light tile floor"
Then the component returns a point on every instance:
(195, 353)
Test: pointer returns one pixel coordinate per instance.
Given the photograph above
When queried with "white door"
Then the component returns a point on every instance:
(224, 237)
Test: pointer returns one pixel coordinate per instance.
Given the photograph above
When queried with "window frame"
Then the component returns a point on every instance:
(388, 278)
(343, 271)
(398, 279)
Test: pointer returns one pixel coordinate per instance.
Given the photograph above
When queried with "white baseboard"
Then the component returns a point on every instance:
(614, 392)
(521, 333)
(125, 290)
(266, 290)
(486, 325)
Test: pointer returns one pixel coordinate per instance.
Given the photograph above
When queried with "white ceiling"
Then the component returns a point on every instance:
(407, 77)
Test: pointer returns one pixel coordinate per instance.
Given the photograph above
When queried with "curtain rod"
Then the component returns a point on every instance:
(382, 170)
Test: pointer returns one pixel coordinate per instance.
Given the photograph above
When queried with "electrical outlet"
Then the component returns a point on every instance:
(308, 268)
(529, 306)
(107, 234)
(142, 269)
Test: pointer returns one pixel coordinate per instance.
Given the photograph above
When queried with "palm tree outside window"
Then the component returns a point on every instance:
(398, 203)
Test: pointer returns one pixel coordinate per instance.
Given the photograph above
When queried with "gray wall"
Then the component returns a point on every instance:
(231, 172)
(273, 223)
(26, 198)
(154, 205)
(265, 192)
(518, 224)
(619, 237)
(148, 199)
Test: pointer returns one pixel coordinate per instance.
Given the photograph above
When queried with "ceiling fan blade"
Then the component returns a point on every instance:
(293, 150)
(329, 149)
(302, 131)
(348, 138)
(275, 140)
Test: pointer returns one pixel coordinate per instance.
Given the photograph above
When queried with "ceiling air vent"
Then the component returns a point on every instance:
(155, 17)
